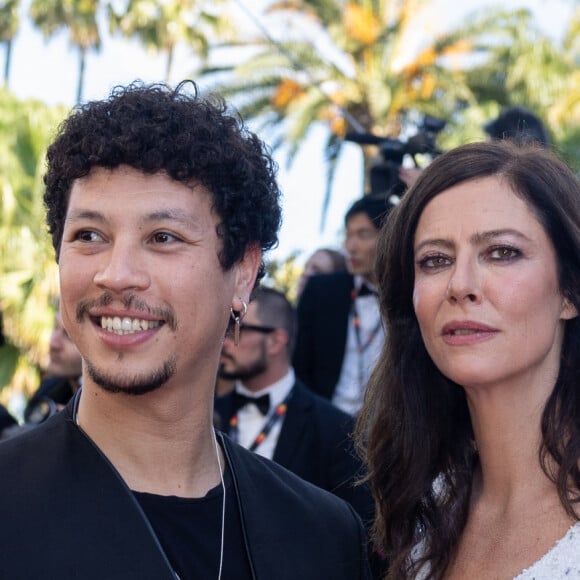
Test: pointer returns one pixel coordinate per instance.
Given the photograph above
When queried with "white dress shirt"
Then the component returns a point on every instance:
(251, 421)
(349, 391)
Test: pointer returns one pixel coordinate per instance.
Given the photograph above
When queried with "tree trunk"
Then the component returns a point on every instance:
(82, 64)
(169, 66)
(7, 61)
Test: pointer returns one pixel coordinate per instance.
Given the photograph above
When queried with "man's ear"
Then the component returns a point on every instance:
(247, 270)
(277, 341)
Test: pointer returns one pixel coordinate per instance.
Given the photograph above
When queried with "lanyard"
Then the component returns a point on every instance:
(275, 416)
(360, 346)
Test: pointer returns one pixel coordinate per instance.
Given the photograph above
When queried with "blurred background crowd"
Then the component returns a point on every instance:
(348, 94)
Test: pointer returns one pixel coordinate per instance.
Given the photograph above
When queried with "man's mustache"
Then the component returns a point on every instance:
(130, 301)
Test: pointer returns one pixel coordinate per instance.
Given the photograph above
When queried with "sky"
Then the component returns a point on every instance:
(48, 70)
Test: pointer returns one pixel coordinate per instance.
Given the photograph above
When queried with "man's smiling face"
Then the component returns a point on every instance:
(143, 294)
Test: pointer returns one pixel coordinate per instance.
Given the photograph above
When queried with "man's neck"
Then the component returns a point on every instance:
(266, 379)
(159, 443)
(369, 279)
(360, 281)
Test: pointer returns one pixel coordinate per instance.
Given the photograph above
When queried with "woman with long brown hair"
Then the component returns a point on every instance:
(471, 422)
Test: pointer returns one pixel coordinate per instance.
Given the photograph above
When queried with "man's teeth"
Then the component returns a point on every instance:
(127, 325)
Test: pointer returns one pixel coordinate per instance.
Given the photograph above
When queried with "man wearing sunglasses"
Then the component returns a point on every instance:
(275, 415)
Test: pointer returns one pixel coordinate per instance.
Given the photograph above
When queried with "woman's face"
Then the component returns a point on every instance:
(319, 263)
(486, 291)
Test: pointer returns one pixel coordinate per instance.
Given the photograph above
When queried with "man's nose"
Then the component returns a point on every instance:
(56, 340)
(123, 269)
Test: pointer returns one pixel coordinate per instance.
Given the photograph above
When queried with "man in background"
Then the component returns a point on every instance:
(61, 378)
(274, 414)
(6, 419)
(518, 124)
(339, 330)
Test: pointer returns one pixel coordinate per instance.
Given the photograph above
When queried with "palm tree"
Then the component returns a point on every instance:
(563, 114)
(28, 272)
(345, 65)
(79, 18)
(525, 67)
(9, 23)
(161, 26)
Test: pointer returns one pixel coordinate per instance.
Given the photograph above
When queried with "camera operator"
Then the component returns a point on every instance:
(515, 123)
(387, 176)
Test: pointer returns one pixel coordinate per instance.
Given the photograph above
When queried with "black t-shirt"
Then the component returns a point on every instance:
(189, 530)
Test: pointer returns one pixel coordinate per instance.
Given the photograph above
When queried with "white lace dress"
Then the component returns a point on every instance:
(562, 562)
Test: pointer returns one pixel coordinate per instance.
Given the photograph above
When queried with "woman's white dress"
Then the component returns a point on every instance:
(562, 562)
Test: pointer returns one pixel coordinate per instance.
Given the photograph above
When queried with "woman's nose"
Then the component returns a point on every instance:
(464, 283)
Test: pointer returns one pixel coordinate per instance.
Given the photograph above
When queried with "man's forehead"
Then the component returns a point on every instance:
(144, 197)
(359, 222)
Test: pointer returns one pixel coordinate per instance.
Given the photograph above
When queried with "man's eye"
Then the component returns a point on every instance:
(87, 236)
(163, 238)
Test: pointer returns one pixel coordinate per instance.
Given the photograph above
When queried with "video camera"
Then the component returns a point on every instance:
(384, 174)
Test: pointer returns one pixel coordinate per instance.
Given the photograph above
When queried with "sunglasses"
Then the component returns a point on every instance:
(256, 328)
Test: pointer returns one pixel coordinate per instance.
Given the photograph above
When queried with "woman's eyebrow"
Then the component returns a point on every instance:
(435, 242)
(477, 238)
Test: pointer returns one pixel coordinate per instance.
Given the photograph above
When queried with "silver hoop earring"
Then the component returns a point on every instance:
(237, 318)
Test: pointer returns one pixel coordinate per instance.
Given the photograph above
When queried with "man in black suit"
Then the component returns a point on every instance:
(339, 330)
(160, 203)
(276, 415)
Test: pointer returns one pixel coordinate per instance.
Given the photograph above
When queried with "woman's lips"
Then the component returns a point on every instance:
(467, 332)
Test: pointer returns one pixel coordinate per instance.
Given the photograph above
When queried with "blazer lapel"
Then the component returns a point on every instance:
(293, 439)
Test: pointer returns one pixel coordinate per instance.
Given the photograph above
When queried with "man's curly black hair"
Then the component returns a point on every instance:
(155, 128)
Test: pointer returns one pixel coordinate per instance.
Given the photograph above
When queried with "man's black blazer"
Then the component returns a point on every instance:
(315, 443)
(66, 513)
(323, 314)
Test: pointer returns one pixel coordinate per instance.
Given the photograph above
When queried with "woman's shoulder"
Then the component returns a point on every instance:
(562, 561)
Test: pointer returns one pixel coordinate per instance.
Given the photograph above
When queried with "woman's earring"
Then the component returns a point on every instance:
(237, 318)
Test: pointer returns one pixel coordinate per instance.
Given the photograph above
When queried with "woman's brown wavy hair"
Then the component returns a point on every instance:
(414, 429)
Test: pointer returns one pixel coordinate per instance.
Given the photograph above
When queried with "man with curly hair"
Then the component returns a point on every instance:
(160, 204)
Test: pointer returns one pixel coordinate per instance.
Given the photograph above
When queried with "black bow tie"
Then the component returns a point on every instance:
(262, 402)
(365, 291)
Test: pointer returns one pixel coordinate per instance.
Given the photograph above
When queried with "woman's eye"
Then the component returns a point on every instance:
(503, 253)
(433, 262)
